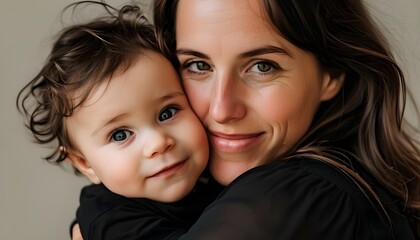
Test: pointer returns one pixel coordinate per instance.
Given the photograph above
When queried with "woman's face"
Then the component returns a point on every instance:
(255, 92)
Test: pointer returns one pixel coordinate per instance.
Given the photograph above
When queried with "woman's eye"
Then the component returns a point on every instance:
(120, 135)
(262, 67)
(197, 66)
(167, 113)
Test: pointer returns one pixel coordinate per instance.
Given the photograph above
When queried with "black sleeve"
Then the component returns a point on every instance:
(105, 215)
(74, 222)
(290, 201)
(124, 223)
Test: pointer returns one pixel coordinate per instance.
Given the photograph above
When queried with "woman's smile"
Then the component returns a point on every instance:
(233, 143)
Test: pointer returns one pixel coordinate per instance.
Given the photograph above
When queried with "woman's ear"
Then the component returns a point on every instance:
(79, 162)
(332, 82)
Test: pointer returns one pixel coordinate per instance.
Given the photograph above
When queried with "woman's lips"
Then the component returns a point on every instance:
(170, 170)
(233, 143)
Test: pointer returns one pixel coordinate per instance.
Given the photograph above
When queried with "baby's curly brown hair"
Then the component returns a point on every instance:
(82, 57)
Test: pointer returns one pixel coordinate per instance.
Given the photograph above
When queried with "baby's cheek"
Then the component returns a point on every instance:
(198, 97)
(119, 175)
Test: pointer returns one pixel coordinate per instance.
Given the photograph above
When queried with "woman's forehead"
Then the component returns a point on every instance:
(220, 22)
(226, 15)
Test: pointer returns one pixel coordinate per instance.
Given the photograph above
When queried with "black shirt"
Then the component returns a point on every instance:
(297, 199)
(103, 214)
(301, 199)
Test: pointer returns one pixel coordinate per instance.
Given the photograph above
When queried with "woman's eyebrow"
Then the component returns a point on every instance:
(265, 50)
(186, 51)
(254, 52)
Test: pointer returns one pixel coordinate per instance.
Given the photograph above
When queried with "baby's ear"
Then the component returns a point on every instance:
(79, 162)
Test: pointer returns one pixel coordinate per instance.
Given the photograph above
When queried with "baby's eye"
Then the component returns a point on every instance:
(120, 135)
(167, 113)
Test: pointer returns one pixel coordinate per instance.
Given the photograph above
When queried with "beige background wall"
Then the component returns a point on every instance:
(37, 199)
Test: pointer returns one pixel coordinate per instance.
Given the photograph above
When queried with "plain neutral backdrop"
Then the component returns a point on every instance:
(37, 199)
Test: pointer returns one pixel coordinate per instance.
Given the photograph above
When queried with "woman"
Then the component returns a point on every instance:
(303, 104)
(311, 84)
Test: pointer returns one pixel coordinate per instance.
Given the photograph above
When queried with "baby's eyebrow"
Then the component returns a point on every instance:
(171, 96)
(122, 115)
(109, 121)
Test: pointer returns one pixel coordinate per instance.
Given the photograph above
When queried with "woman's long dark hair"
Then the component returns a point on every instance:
(366, 118)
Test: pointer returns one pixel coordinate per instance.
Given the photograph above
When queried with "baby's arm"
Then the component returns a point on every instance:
(75, 232)
(106, 215)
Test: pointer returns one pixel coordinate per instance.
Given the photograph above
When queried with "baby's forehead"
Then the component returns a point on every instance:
(86, 90)
(149, 78)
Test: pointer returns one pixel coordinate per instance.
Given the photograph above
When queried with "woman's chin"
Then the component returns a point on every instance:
(224, 172)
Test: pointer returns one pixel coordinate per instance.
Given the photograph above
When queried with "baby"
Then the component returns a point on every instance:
(116, 108)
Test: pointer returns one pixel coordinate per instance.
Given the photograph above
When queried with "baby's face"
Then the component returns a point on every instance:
(138, 134)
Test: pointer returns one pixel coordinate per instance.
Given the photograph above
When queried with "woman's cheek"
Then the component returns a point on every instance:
(274, 106)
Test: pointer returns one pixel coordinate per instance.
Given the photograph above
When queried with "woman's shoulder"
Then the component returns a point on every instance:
(309, 176)
(316, 194)
(297, 174)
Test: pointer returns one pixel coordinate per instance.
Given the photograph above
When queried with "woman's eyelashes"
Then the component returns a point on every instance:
(196, 67)
(263, 67)
(260, 67)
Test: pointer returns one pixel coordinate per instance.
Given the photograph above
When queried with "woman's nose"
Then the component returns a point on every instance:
(157, 142)
(226, 100)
